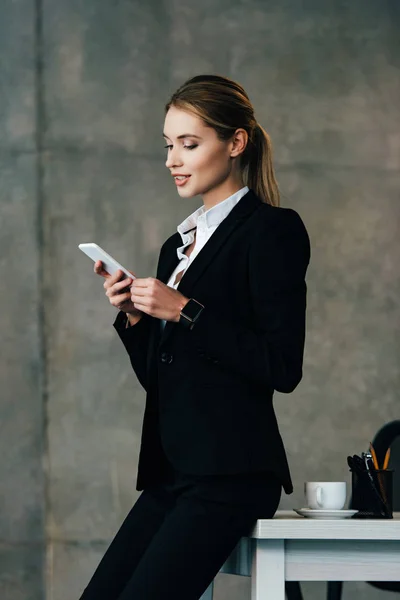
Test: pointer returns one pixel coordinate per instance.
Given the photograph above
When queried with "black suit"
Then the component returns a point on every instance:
(209, 390)
(212, 460)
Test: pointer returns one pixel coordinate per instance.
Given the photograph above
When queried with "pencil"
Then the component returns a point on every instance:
(374, 459)
(386, 461)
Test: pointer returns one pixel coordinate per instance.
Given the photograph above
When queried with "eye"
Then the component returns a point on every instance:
(187, 147)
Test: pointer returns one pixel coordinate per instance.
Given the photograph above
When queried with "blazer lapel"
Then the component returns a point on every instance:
(169, 261)
(246, 205)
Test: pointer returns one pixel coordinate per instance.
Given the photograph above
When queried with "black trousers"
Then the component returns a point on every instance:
(178, 535)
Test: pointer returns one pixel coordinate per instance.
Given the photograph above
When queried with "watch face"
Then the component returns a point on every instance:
(191, 309)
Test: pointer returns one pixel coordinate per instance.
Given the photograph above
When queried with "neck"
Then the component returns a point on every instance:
(222, 192)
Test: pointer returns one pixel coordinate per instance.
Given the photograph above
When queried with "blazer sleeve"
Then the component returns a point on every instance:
(136, 339)
(271, 352)
(136, 342)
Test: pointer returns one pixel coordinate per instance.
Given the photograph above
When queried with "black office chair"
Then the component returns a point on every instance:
(387, 437)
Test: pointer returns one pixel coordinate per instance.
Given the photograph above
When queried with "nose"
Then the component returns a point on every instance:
(173, 159)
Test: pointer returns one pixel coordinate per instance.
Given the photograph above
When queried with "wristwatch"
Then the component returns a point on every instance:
(190, 313)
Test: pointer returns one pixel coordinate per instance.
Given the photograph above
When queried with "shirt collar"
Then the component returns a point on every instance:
(213, 216)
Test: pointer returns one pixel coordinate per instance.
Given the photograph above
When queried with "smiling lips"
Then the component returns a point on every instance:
(181, 179)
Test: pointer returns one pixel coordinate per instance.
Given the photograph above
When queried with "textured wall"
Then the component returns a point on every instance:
(82, 89)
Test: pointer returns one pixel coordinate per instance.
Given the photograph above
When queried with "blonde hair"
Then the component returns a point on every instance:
(224, 105)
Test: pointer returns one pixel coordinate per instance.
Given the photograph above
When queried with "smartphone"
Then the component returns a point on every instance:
(109, 263)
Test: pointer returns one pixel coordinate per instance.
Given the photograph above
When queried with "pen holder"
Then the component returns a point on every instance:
(372, 496)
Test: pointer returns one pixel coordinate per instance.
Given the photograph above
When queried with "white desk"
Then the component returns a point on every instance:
(293, 548)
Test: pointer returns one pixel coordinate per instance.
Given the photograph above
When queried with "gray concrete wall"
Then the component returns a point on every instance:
(82, 90)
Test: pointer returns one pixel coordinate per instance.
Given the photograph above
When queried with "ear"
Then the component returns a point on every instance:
(239, 142)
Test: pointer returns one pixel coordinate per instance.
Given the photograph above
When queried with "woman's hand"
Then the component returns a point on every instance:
(117, 289)
(158, 300)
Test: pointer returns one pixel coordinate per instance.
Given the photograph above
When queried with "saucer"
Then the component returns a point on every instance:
(312, 513)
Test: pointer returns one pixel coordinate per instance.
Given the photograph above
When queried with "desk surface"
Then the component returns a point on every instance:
(288, 525)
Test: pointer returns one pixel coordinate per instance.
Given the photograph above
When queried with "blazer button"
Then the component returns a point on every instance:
(166, 358)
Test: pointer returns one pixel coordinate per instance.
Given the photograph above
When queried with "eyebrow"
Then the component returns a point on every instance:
(184, 135)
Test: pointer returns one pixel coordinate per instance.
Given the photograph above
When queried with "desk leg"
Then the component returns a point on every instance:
(268, 570)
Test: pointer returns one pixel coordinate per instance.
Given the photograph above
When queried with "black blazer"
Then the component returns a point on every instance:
(209, 390)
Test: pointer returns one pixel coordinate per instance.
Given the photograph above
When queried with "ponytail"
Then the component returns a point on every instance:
(260, 174)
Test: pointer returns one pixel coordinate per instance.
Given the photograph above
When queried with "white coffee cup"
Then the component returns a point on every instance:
(325, 495)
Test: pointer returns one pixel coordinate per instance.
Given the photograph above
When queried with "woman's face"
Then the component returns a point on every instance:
(194, 150)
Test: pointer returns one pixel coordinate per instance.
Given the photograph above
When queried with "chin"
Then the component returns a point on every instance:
(187, 193)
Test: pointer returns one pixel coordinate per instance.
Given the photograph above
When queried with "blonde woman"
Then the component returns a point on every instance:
(210, 338)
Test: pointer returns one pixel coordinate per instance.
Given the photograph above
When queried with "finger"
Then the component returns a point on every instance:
(138, 293)
(141, 282)
(112, 279)
(118, 275)
(114, 291)
(142, 307)
(118, 288)
(98, 269)
(121, 285)
(119, 299)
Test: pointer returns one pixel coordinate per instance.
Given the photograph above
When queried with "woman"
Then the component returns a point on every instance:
(210, 338)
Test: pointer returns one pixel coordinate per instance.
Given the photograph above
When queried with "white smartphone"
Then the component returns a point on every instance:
(109, 263)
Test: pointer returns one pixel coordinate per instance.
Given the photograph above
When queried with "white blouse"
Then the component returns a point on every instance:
(206, 222)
